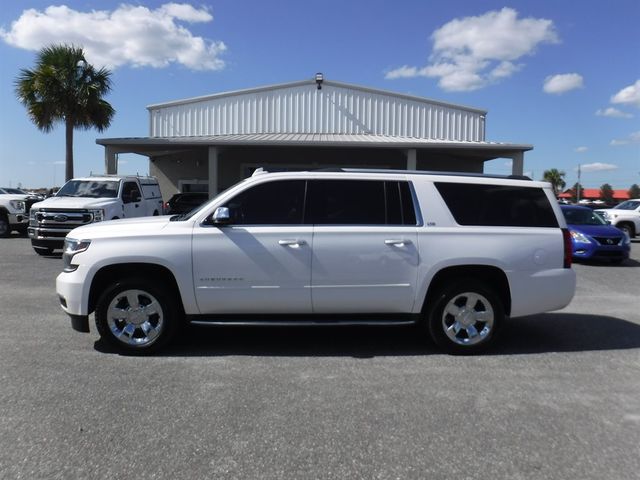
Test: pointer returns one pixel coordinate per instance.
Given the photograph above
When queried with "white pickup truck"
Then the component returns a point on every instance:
(625, 216)
(455, 254)
(14, 210)
(92, 199)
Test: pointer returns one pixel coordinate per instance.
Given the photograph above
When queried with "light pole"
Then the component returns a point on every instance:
(579, 185)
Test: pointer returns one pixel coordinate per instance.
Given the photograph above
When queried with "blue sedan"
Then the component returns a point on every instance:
(593, 238)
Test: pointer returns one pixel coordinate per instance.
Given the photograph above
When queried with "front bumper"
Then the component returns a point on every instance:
(73, 293)
(591, 251)
(18, 220)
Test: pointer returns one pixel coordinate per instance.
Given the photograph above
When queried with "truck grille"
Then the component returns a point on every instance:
(61, 220)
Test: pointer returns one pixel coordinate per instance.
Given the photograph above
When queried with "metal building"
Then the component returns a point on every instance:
(209, 143)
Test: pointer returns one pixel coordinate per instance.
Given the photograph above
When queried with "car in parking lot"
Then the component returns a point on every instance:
(328, 248)
(593, 238)
(625, 216)
(184, 202)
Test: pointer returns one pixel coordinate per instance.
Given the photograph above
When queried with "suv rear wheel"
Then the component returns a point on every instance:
(465, 317)
(136, 316)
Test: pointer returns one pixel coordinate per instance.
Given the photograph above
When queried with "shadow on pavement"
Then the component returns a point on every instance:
(551, 332)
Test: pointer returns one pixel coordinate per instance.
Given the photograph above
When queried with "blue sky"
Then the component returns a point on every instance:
(561, 75)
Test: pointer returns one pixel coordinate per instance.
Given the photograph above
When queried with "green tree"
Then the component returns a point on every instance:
(64, 88)
(576, 192)
(606, 194)
(556, 178)
(634, 191)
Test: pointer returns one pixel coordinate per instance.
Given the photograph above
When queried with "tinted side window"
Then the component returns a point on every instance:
(130, 192)
(346, 202)
(272, 203)
(400, 208)
(497, 205)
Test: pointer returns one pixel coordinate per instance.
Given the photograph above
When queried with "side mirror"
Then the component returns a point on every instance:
(221, 216)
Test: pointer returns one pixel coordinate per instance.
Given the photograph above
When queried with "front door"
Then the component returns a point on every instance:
(132, 200)
(261, 261)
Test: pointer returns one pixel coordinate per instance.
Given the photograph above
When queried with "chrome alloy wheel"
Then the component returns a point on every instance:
(135, 318)
(468, 318)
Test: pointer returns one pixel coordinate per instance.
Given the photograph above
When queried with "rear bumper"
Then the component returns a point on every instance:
(542, 291)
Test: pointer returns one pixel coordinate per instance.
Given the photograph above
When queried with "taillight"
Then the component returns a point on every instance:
(568, 247)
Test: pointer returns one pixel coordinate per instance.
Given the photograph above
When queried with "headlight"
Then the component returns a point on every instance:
(98, 214)
(579, 237)
(17, 205)
(71, 248)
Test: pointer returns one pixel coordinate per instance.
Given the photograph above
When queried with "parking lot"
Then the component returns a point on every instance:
(558, 398)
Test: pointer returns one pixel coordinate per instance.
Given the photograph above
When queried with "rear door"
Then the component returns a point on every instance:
(365, 257)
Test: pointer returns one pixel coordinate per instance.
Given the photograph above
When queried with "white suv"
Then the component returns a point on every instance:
(456, 254)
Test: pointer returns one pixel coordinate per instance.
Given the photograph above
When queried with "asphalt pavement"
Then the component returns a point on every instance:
(558, 398)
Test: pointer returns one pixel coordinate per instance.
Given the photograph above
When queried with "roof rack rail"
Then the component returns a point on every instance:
(421, 172)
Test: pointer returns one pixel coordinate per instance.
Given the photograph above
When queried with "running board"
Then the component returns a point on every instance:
(317, 320)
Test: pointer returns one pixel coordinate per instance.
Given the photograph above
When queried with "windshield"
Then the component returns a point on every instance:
(89, 188)
(628, 205)
(13, 191)
(578, 216)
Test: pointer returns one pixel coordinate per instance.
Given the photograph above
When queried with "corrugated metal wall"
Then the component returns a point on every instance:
(304, 109)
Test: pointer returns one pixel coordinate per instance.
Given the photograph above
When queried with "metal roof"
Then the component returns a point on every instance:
(308, 140)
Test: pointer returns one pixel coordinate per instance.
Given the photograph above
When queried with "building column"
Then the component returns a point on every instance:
(412, 157)
(110, 161)
(517, 167)
(213, 171)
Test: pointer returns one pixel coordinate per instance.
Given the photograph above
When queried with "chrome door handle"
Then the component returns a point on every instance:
(291, 243)
(397, 242)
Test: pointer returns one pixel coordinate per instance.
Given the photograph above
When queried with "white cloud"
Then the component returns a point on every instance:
(632, 138)
(628, 96)
(598, 167)
(472, 52)
(403, 72)
(613, 113)
(129, 35)
(562, 83)
(581, 149)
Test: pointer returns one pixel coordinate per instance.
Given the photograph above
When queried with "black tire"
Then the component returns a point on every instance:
(5, 228)
(628, 228)
(471, 308)
(148, 315)
(43, 250)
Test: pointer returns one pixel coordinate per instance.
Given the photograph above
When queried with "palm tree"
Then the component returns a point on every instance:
(63, 87)
(556, 178)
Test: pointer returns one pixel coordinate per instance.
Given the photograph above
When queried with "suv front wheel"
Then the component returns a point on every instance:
(465, 317)
(136, 316)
